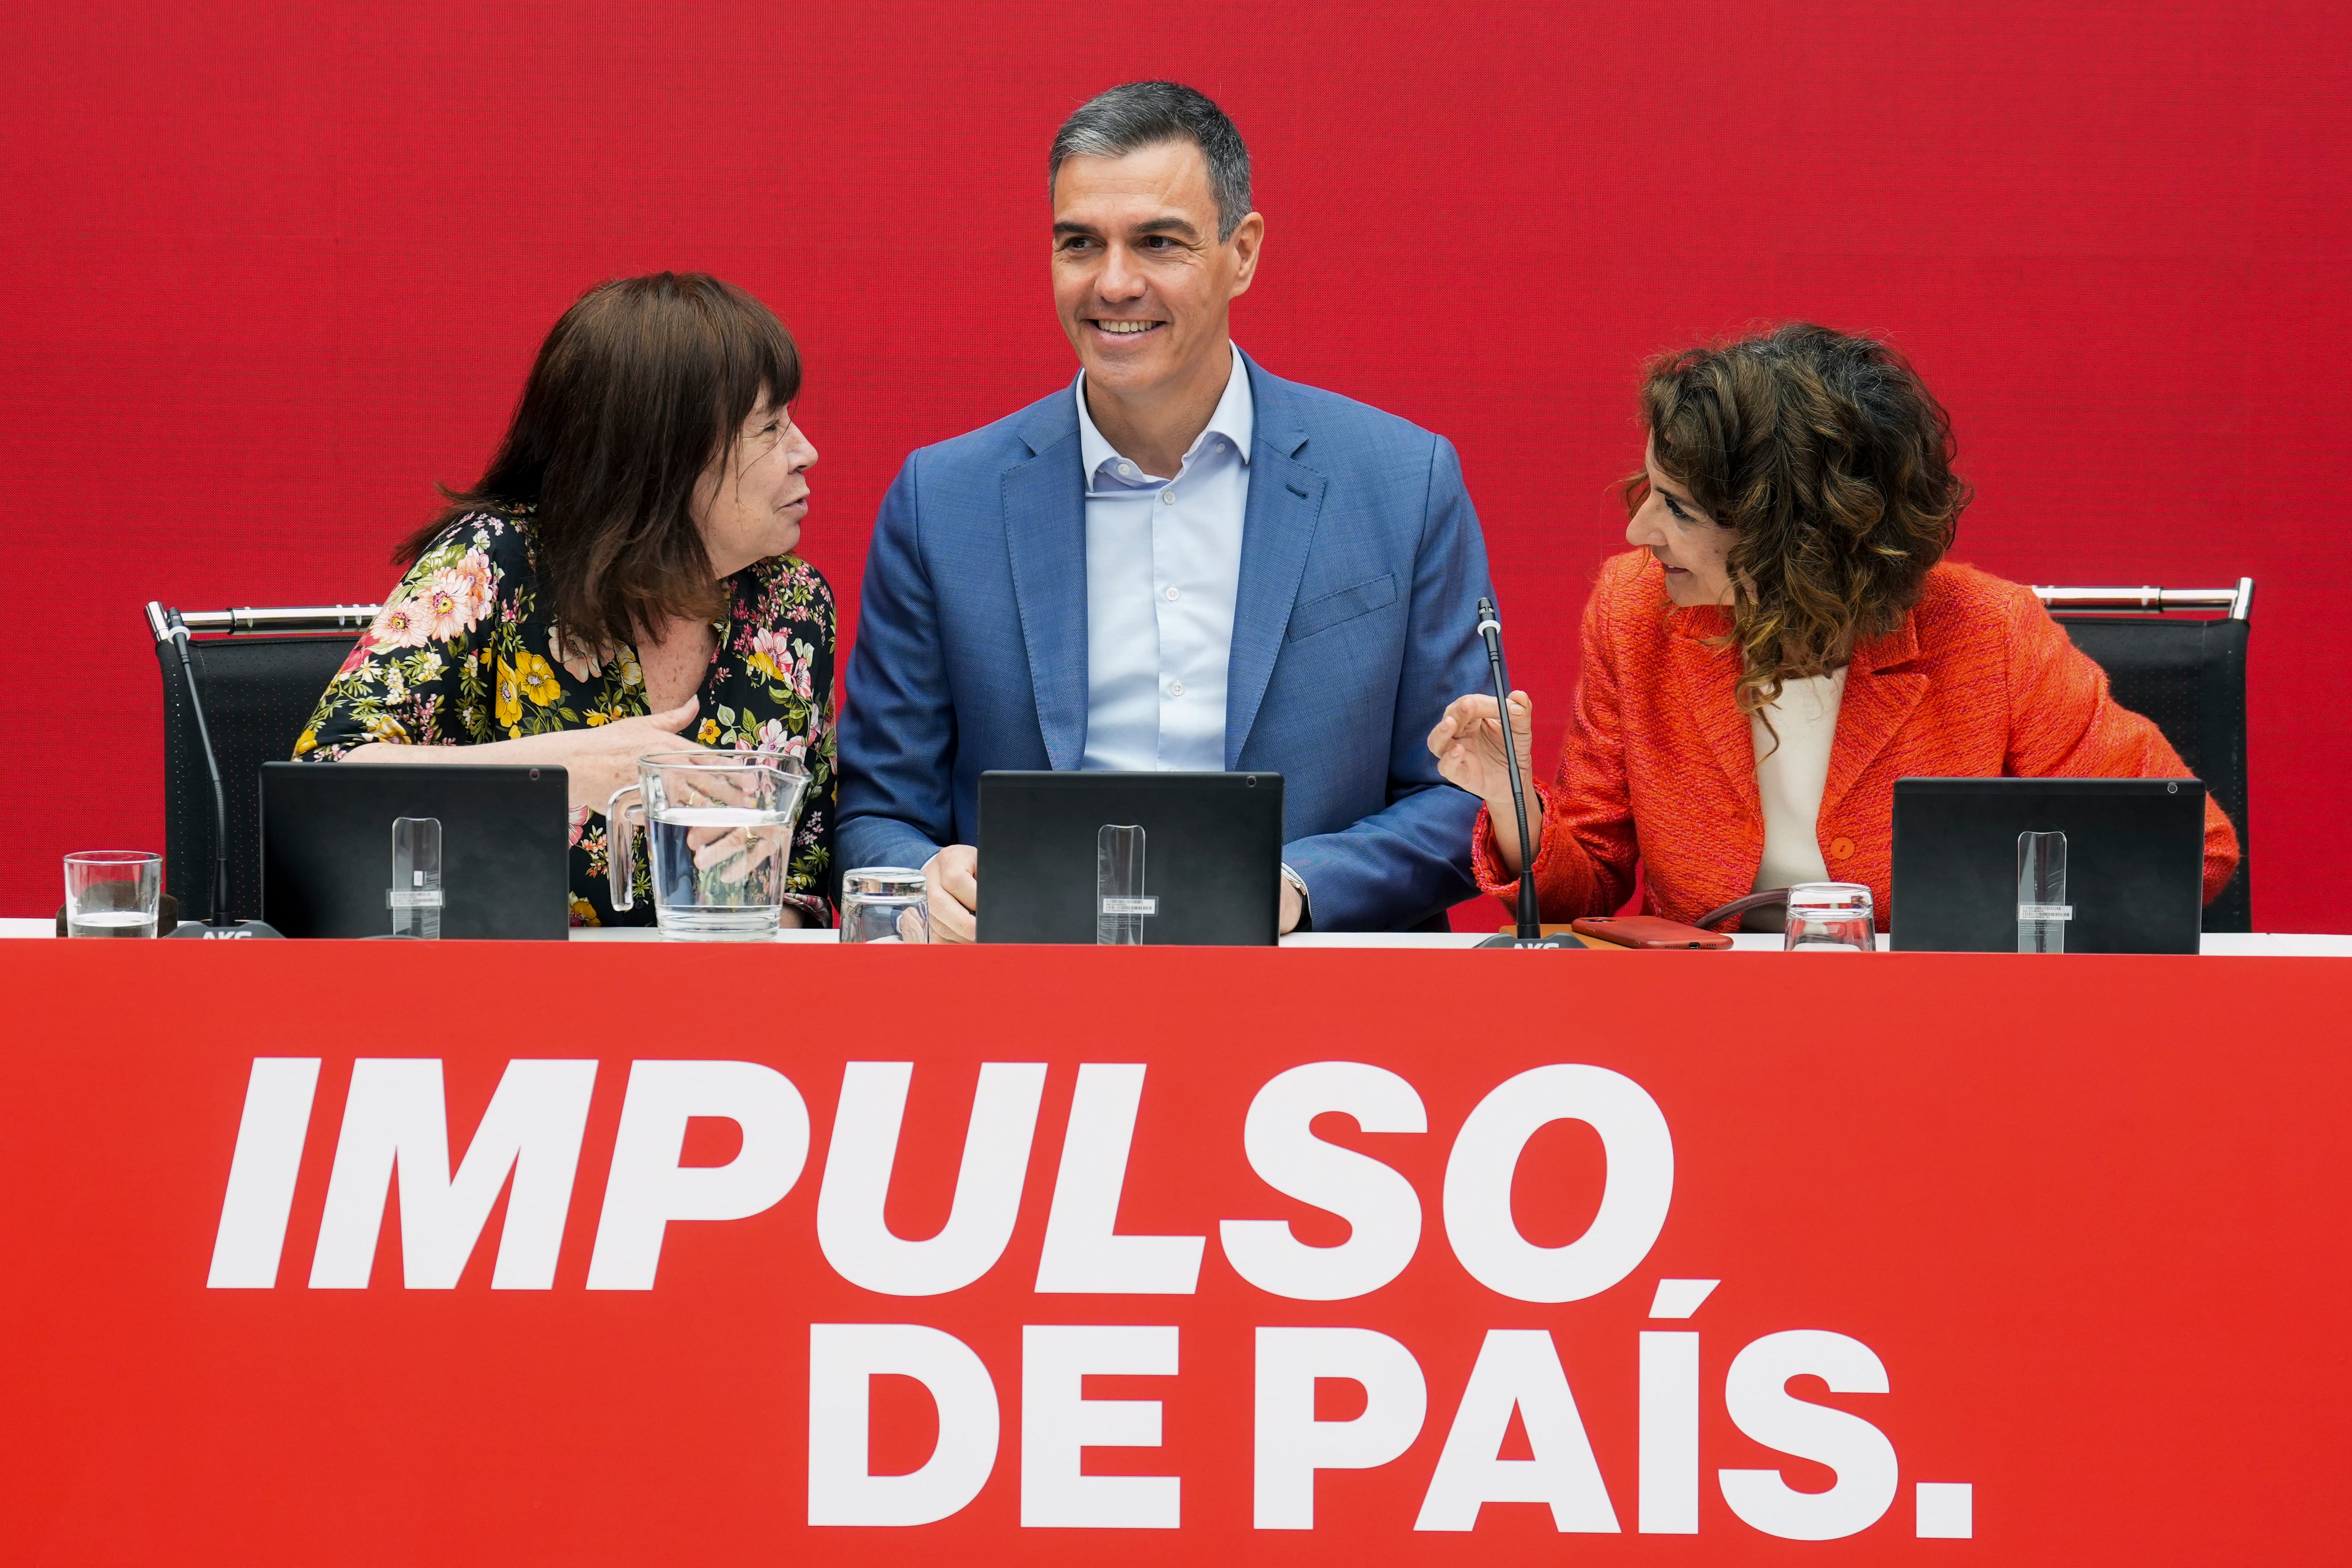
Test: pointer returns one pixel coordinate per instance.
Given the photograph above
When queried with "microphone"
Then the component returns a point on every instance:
(217, 926)
(1530, 920)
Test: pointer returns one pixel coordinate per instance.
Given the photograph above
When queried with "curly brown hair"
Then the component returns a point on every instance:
(1829, 458)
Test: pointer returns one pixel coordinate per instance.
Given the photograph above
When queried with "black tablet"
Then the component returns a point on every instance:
(327, 846)
(2135, 862)
(1164, 859)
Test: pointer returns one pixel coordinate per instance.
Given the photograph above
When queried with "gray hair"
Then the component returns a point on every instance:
(1145, 113)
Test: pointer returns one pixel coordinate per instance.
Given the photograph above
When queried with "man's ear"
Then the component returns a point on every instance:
(1249, 236)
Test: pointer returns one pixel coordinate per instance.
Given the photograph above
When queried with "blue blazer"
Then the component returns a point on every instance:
(1354, 624)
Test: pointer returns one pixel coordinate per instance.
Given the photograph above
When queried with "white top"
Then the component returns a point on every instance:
(1789, 778)
(1163, 565)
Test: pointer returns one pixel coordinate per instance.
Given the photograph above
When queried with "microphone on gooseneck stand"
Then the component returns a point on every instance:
(1530, 920)
(217, 925)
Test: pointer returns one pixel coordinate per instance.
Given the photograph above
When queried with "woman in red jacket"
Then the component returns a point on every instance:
(1785, 642)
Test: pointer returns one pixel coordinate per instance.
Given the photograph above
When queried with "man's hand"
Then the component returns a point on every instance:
(953, 882)
(1293, 906)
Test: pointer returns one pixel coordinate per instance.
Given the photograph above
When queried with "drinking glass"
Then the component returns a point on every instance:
(1831, 918)
(2042, 911)
(718, 840)
(113, 892)
(885, 903)
(415, 897)
(1120, 903)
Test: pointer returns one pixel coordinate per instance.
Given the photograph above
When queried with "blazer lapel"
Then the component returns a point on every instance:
(1705, 674)
(1045, 536)
(1285, 498)
(1878, 697)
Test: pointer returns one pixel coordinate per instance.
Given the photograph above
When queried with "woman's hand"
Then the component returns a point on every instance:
(605, 758)
(733, 854)
(1468, 745)
(597, 761)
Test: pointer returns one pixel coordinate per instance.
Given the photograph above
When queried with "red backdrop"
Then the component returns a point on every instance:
(274, 269)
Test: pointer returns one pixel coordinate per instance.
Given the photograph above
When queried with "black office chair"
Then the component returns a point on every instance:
(2189, 676)
(259, 692)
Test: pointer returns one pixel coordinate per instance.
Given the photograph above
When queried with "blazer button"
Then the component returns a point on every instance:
(1843, 849)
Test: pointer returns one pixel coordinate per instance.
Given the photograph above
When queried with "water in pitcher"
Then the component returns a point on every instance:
(718, 871)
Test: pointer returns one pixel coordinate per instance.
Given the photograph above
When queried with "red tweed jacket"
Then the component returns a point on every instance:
(1658, 767)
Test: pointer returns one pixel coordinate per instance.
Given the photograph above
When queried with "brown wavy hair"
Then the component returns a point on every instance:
(640, 386)
(1829, 458)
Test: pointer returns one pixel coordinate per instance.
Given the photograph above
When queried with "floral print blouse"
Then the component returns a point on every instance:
(465, 651)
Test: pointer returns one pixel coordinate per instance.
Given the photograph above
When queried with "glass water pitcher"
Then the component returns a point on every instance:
(718, 840)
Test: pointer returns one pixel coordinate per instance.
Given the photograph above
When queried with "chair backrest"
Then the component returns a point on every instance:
(259, 693)
(2189, 678)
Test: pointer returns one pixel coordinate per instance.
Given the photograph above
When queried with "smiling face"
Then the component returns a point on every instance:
(1142, 282)
(1687, 543)
(749, 504)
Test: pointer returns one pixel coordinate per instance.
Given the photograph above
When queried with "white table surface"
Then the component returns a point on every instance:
(2233, 944)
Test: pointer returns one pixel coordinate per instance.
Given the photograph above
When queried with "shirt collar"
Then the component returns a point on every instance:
(1235, 419)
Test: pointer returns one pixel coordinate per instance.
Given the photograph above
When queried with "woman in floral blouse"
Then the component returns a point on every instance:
(620, 582)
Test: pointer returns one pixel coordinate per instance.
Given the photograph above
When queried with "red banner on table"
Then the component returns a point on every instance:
(480, 1253)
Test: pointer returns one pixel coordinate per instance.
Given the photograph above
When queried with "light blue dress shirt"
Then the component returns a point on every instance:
(1163, 564)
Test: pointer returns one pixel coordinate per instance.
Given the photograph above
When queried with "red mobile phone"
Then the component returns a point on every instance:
(1647, 931)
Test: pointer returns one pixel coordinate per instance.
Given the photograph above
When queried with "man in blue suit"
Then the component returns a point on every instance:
(1182, 562)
